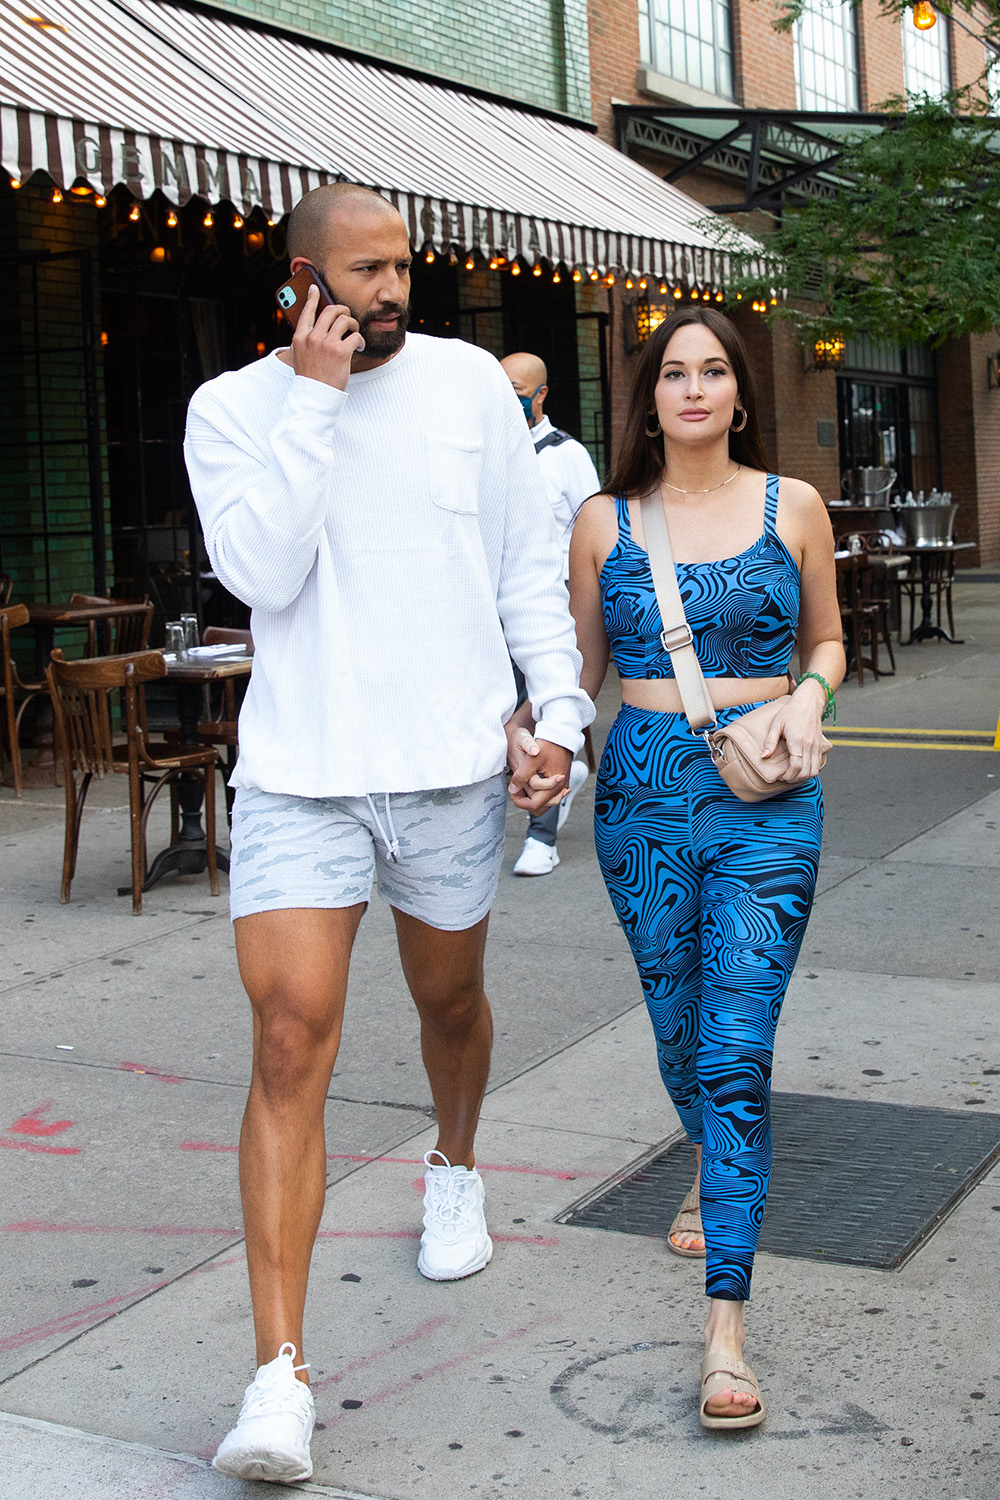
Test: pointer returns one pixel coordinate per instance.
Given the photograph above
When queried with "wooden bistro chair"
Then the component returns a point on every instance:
(6, 589)
(13, 688)
(127, 632)
(862, 594)
(80, 693)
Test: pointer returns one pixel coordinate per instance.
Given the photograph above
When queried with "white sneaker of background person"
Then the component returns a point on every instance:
(272, 1434)
(455, 1241)
(538, 858)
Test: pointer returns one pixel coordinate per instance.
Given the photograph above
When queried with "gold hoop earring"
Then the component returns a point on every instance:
(657, 432)
(743, 412)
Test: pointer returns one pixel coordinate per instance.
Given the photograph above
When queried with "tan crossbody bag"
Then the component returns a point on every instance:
(737, 749)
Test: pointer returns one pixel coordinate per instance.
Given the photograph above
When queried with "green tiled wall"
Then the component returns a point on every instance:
(535, 52)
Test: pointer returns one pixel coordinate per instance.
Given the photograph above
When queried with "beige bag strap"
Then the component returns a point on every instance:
(676, 636)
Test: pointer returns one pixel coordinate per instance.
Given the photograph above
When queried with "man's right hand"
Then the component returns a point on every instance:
(323, 345)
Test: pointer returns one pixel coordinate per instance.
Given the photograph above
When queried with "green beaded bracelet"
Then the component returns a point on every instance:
(831, 702)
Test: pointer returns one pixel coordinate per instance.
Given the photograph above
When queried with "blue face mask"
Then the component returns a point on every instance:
(526, 401)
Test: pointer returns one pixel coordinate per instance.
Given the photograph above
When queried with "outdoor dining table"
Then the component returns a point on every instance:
(190, 674)
(925, 551)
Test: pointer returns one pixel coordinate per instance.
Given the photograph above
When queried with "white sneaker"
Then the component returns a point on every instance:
(455, 1242)
(271, 1437)
(536, 858)
(578, 773)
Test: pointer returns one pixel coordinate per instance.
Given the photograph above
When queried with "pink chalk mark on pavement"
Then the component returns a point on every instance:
(431, 1326)
(232, 1231)
(33, 1124)
(406, 1161)
(156, 1073)
(446, 1365)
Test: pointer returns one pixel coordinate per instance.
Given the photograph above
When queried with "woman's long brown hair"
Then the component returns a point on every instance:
(639, 463)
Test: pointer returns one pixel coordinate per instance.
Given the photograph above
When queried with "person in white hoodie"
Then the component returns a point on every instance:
(373, 495)
(570, 479)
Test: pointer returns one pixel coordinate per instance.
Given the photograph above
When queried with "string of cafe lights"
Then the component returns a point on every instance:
(217, 217)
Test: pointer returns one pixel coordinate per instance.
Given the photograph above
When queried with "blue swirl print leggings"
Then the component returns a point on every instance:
(713, 895)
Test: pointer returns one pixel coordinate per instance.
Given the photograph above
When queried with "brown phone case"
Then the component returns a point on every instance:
(291, 295)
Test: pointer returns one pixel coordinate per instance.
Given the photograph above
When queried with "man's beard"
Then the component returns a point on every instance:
(382, 343)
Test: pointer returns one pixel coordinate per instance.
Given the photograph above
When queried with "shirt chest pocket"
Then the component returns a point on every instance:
(453, 473)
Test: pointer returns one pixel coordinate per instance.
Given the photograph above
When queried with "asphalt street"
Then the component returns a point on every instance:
(569, 1368)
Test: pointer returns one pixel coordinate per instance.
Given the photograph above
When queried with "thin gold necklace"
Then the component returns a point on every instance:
(703, 492)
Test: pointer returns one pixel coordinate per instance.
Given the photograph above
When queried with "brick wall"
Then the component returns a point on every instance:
(614, 58)
(880, 55)
(762, 57)
(971, 469)
(534, 52)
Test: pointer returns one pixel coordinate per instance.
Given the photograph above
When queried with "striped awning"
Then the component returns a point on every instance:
(153, 96)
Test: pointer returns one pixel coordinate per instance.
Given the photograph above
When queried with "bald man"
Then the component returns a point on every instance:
(570, 479)
(373, 496)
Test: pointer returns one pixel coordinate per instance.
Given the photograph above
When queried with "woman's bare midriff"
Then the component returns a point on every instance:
(661, 695)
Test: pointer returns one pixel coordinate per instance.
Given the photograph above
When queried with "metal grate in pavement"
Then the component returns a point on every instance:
(856, 1182)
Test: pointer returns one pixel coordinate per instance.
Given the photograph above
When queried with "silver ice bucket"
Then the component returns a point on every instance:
(926, 525)
(868, 487)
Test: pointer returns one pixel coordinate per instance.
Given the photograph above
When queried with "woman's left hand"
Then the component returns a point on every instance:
(798, 721)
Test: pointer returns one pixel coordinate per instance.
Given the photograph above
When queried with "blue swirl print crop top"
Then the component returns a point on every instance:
(743, 611)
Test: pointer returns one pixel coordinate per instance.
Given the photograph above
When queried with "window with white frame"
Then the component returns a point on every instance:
(993, 78)
(826, 57)
(690, 40)
(926, 62)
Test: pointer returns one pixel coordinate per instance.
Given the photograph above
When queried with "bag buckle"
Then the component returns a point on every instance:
(714, 750)
(676, 637)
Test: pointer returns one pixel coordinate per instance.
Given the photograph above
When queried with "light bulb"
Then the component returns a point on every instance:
(663, 288)
(15, 182)
(924, 15)
(208, 221)
(706, 296)
(171, 220)
(739, 296)
(609, 280)
(515, 269)
(595, 275)
(133, 213)
(57, 196)
(470, 264)
(237, 221)
(577, 274)
(429, 257)
(158, 255)
(556, 278)
(629, 283)
(718, 297)
(678, 294)
(537, 270)
(100, 201)
(643, 284)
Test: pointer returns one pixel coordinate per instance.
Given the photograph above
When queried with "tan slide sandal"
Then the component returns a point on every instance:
(717, 1373)
(688, 1221)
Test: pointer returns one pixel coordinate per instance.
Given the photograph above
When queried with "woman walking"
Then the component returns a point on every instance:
(713, 893)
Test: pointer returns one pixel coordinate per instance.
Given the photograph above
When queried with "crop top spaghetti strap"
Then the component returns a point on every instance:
(743, 611)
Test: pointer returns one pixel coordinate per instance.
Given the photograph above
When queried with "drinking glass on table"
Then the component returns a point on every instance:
(190, 624)
(175, 638)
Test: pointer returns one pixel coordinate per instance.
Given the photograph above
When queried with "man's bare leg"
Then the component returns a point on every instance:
(294, 967)
(444, 971)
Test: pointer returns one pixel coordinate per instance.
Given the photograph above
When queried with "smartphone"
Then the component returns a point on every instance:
(292, 294)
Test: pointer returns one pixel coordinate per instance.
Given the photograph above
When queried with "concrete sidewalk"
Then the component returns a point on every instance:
(569, 1368)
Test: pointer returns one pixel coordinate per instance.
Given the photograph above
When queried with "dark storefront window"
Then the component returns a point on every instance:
(887, 400)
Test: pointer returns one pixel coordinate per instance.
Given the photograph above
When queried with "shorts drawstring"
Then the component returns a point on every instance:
(390, 841)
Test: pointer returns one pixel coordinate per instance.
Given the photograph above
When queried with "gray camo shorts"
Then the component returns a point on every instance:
(436, 854)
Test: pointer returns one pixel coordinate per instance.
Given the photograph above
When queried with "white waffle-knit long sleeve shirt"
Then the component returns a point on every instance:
(393, 542)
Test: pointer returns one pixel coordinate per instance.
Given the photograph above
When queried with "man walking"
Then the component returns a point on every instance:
(372, 495)
(570, 479)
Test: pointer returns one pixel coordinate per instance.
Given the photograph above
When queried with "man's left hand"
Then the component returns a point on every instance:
(541, 781)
